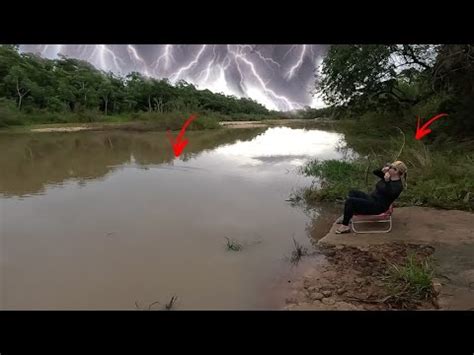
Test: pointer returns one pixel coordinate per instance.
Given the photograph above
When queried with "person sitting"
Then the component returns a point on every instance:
(386, 191)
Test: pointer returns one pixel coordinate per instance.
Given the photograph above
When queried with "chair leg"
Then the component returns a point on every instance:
(376, 231)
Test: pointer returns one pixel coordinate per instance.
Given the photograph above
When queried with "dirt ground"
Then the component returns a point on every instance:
(351, 278)
(350, 268)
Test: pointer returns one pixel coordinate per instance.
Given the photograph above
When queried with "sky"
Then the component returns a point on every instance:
(281, 77)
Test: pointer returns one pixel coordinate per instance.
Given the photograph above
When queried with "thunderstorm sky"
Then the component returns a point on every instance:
(281, 77)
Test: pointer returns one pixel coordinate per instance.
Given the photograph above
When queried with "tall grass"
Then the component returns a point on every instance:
(298, 252)
(411, 280)
(439, 174)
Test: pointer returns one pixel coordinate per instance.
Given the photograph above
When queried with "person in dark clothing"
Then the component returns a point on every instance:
(386, 191)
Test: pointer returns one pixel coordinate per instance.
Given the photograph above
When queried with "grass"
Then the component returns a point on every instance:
(410, 282)
(168, 306)
(336, 177)
(439, 173)
(298, 252)
(233, 245)
(10, 116)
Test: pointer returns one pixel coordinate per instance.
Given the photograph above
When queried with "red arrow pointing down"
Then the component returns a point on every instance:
(179, 143)
(424, 130)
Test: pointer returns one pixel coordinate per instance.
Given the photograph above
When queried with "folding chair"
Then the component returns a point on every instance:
(385, 217)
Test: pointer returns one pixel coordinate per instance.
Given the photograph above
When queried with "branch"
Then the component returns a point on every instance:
(414, 58)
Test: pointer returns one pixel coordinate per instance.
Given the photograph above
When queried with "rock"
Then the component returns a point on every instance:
(327, 293)
(317, 296)
(437, 287)
(313, 289)
(339, 247)
(328, 301)
(291, 300)
(330, 253)
(330, 274)
(340, 291)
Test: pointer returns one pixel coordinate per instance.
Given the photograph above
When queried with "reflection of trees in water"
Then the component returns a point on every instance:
(348, 153)
(30, 161)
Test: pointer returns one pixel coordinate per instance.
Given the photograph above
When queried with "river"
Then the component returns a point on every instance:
(112, 220)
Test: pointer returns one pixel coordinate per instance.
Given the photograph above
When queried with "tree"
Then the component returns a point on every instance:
(70, 84)
(362, 74)
(19, 80)
(105, 91)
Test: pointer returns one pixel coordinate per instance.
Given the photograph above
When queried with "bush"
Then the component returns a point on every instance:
(9, 114)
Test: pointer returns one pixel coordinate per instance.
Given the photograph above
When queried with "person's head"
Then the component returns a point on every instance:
(398, 169)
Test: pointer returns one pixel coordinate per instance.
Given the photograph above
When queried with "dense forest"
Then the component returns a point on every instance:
(40, 90)
(391, 84)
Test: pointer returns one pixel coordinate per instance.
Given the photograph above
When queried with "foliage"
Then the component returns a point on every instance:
(43, 87)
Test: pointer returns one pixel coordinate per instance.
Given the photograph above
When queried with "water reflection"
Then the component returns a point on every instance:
(108, 219)
(29, 162)
(283, 143)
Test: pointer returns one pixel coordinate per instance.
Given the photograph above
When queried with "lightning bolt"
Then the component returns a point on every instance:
(269, 92)
(289, 51)
(134, 55)
(255, 69)
(175, 76)
(208, 68)
(265, 59)
(291, 72)
(167, 56)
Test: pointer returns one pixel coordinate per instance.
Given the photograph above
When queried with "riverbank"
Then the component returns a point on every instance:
(144, 126)
(439, 172)
(429, 250)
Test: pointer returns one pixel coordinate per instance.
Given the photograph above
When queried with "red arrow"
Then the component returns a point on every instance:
(424, 130)
(178, 144)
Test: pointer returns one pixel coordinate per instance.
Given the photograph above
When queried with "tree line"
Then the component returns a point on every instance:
(72, 85)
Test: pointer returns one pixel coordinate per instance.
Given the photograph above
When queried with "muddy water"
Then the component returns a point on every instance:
(100, 220)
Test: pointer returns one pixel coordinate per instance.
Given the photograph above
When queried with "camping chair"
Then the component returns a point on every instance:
(385, 217)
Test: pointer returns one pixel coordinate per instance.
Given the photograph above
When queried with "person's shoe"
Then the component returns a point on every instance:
(340, 219)
(343, 229)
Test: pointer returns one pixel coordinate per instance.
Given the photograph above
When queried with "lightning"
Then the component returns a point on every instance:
(265, 59)
(289, 51)
(166, 57)
(105, 50)
(208, 68)
(259, 72)
(137, 59)
(270, 92)
(175, 76)
(291, 72)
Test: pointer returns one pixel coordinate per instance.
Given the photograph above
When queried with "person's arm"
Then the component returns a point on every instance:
(381, 172)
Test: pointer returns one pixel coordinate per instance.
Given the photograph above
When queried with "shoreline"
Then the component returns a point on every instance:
(348, 271)
(152, 126)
